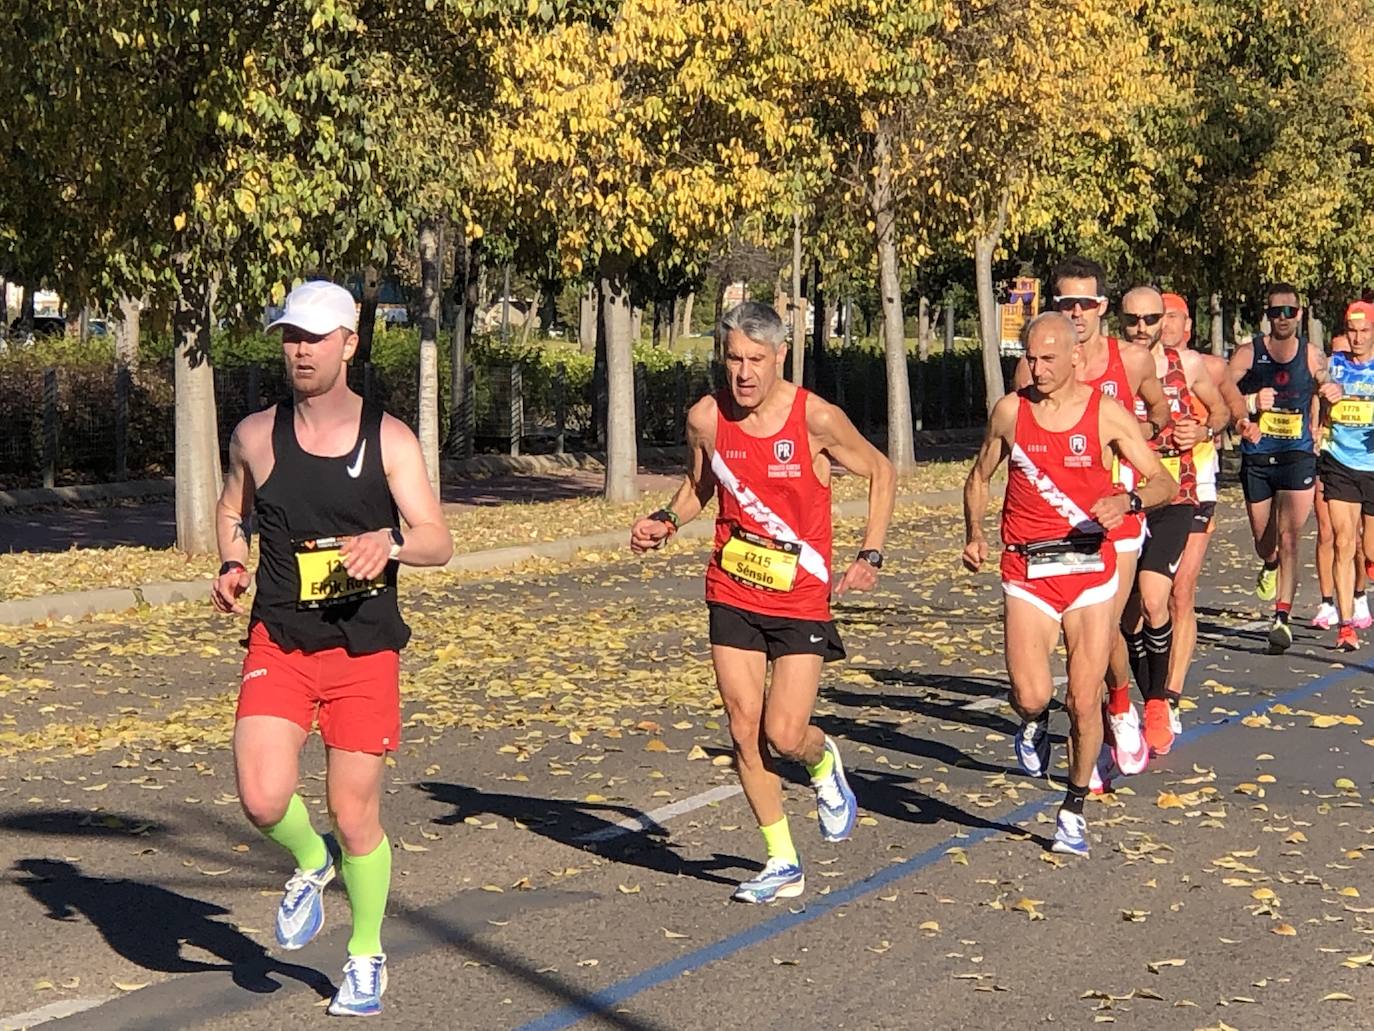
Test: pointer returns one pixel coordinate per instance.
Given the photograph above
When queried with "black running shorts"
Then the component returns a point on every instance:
(1167, 531)
(1204, 512)
(1342, 483)
(1263, 476)
(775, 636)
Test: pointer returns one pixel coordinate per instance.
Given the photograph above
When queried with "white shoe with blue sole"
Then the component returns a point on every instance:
(301, 914)
(836, 808)
(364, 981)
(778, 879)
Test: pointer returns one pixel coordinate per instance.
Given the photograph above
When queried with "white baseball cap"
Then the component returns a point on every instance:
(319, 307)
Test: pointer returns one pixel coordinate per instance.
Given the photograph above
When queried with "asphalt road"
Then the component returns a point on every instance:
(567, 829)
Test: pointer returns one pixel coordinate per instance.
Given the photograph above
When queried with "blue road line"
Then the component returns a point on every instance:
(604, 1001)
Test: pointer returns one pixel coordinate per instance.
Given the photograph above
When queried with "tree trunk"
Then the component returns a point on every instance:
(673, 335)
(431, 241)
(26, 310)
(988, 324)
(127, 332)
(923, 328)
(718, 338)
(459, 440)
(367, 313)
(198, 477)
(686, 328)
(900, 444)
(531, 318)
(1218, 325)
(600, 396)
(587, 320)
(798, 312)
(621, 456)
(636, 324)
(1316, 334)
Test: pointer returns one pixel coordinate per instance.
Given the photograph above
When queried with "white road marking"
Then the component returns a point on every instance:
(984, 704)
(656, 817)
(52, 1011)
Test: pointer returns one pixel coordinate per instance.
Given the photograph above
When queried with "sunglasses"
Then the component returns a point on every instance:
(1282, 311)
(1152, 319)
(1070, 303)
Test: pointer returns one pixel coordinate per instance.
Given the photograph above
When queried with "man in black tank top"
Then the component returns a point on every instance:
(328, 480)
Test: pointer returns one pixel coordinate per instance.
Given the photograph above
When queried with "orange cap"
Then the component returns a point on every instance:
(1174, 302)
(1359, 312)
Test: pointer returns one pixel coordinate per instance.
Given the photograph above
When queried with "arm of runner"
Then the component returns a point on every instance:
(1150, 390)
(1238, 366)
(994, 450)
(231, 529)
(428, 541)
(653, 531)
(836, 435)
(1328, 390)
(1120, 431)
(1187, 430)
(1021, 378)
(1226, 386)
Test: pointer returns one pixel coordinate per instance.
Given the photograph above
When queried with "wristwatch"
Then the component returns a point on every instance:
(398, 542)
(1136, 504)
(231, 564)
(872, 556)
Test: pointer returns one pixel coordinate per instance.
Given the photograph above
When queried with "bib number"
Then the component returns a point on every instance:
(323, 579)
(1353, 411)
(1281, 424)
(1064, 558)
(760, 561)
(1173, 465)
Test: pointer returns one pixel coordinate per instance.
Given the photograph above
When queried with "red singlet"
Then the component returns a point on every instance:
(767, 488)
(1181, 464)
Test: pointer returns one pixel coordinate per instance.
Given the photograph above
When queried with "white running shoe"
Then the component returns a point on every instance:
(778, 879)
(364, 981)
(836, 809)
(1175, 720)
(1327, 616)
(1363, 620)
(1070, 834)
(1131, 752)
(1033, 746)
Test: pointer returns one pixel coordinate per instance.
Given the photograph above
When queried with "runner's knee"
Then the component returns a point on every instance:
(787, 733)
(263, 804)
(358, 825)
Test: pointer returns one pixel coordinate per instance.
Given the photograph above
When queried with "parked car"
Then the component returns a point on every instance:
(43, 326)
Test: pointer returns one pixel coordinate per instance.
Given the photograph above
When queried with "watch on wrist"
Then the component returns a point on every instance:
(872, 556)
(1136, 504)
(231, 565)
(398, 541)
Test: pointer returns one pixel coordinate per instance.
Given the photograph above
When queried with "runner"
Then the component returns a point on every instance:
(1198, 413)
(1346, 466)
(1177, 333)
(1125, 372)
(765, 447)
(1327, 616)
(1058, 568)
(325, 477)
(1280, 376)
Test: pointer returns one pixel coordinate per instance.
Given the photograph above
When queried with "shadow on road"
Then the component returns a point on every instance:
(572, 823)
(894, 796)
(148, 925)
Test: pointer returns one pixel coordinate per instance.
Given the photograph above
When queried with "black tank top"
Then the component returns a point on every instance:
(305, 598)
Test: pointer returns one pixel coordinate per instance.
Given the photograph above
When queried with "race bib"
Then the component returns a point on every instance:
(1353, 411)
(1173, 465)
(760, 561)
(1063, 558)
(1281, 424)
(323, 578)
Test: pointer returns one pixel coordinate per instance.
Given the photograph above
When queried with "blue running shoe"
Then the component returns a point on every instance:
(364, 981)
(778, 879)
(301, 913)
(1033, 746)
(1071, 834)
(836, 808)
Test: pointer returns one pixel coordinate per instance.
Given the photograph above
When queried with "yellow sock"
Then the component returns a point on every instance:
(778, 840)
(822, 769)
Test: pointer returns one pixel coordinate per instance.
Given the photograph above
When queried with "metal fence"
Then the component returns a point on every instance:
(86, 424)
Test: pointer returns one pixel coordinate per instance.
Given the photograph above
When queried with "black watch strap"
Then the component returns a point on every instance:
(231, 565)
(873, 557)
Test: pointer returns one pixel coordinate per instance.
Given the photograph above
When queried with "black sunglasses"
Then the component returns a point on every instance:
(1282, 311)
(1067, 304)
(1152, 319)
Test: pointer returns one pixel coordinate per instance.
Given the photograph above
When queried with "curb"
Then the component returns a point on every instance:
(78, 604)
(86, 494)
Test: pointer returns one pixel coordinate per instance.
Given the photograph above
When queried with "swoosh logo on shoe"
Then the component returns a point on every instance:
(355, 468)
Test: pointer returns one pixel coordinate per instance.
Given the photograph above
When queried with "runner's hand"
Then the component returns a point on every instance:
(225, 590)
(1249, 431)
(1331, 392)
(1264, 399)
(1111, 510)
(648, 534)
(365, 555)
(1187, 432)
(975, 554)
(860, 576)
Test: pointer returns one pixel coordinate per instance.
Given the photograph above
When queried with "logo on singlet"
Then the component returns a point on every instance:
(1281, 377)
(355, 469)
(783, 450)
(1078, 444)
(1109, 388)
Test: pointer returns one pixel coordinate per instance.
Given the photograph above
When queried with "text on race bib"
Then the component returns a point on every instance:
(1281, 424)
(323, 579)
(1173, 465)
(1353, 411)
(760, 561)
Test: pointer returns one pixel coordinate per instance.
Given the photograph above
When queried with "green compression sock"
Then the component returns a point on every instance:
(778, 840)
(294, 833)
(822, 768)
(368, 881)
